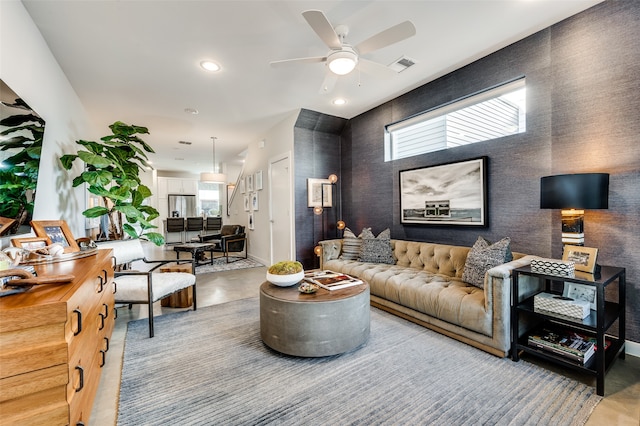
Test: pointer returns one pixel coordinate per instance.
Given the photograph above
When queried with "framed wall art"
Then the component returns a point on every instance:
(249, 183)
(30, 243)
(5, 224)
(254, 201)
(258, 182)
(581, 292)
(584, 258)
(319, 193)
(56, 231)
(445, 194)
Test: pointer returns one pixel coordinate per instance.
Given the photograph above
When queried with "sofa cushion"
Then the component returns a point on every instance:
(484, 256)
(351, 245)
(376, 249)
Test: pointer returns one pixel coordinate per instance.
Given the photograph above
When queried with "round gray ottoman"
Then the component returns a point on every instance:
(314, 325)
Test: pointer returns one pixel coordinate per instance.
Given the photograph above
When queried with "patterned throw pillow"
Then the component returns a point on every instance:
(350, 245)
(484, 256)
(376, 249)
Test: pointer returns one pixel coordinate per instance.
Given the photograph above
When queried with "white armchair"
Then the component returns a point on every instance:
(144, 287)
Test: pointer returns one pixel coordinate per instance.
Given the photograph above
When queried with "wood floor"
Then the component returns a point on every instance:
(621, 405)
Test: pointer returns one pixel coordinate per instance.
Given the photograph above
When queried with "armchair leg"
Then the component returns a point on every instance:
(150, 304)
(195, 305)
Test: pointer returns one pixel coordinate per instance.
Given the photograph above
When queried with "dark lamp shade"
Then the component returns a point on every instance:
(576, 191)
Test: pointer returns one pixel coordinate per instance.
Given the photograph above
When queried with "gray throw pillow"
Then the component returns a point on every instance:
(350, 245)
(376, 249)
(484, 256)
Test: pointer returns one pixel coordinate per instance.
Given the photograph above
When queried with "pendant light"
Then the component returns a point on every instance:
(213, 177)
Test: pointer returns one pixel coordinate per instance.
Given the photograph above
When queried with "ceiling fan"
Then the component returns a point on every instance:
(343, 57)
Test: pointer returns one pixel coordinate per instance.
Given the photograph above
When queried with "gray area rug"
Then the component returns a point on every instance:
(209, 367)
(220, 264)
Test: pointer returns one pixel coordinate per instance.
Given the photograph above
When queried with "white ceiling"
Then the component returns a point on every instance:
(138, 61)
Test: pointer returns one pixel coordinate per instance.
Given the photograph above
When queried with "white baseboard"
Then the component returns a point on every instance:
(632, 348)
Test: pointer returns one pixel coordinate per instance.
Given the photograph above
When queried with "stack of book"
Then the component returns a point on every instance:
(568, 344)
(331, 280)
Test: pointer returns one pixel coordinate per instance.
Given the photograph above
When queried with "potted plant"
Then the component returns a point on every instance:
(112, 168)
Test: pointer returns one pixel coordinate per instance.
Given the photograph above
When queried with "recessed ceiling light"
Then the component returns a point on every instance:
(339, 101)
(191, 111)
(210, 66)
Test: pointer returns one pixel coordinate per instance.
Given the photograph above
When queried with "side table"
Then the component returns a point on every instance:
(182, 298)
(598, 323)
(195, 249)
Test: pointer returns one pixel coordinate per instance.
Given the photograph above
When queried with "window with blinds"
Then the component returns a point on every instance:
(491, 114)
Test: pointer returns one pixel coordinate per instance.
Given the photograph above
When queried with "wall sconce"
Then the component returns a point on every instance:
(572, 194)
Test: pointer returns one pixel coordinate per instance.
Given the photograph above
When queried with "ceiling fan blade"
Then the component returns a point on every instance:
(374, 68)
(321, 25)
(329, 83)
(387, 37)
(312, 59)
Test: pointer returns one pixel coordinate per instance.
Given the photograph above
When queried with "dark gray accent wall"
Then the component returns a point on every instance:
(583, 115)
(317, 152)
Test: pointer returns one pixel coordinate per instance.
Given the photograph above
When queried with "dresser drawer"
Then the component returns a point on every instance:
(46, 407)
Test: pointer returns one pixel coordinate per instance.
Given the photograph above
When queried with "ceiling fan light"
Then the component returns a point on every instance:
(342, 62)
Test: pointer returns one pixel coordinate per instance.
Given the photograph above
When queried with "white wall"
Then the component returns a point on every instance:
(29, 68)
(277, 140)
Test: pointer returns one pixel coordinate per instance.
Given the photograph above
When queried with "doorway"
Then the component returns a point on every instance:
(281, 208)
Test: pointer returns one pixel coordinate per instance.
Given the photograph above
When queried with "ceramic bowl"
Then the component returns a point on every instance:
(285, 280)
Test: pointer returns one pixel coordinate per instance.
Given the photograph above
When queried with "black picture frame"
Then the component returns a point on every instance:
(445, 194)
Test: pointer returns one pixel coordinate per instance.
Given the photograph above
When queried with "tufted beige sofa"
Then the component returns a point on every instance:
(425, 286)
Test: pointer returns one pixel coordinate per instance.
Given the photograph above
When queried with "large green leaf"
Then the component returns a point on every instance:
(130, 230)
(98, 178)
(130, 212)
(95, 211)
(154, 237)
(93, 159)
(67, 160)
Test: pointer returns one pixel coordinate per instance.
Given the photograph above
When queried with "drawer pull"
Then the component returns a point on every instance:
(79, 316)
(81, 376)
(115, 288)
(106, 310)
(101, 284)
(103, 361)
(102, 317)
(106, 276)
(106, 344)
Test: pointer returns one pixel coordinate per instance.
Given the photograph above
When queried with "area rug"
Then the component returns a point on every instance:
(209, 367)
(220, 264)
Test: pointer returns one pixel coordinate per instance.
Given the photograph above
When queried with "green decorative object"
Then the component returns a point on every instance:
(112, 168)
(285, 267)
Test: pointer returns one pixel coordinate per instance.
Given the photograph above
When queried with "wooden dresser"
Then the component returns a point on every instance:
(53, 344)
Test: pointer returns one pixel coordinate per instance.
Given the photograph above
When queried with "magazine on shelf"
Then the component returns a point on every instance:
(331, 280)
(566, 343)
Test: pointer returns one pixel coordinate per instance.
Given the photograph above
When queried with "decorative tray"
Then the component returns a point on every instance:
(63, 258)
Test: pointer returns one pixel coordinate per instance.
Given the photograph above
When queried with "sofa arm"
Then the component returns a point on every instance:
(497, 293)
(331, 249)
(527, 285)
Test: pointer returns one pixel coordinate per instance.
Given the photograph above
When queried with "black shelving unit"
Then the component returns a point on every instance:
(596, 324)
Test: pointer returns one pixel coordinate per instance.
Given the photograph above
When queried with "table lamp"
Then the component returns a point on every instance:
(573, 193)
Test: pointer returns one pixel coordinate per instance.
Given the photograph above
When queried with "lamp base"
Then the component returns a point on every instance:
(573, 227)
